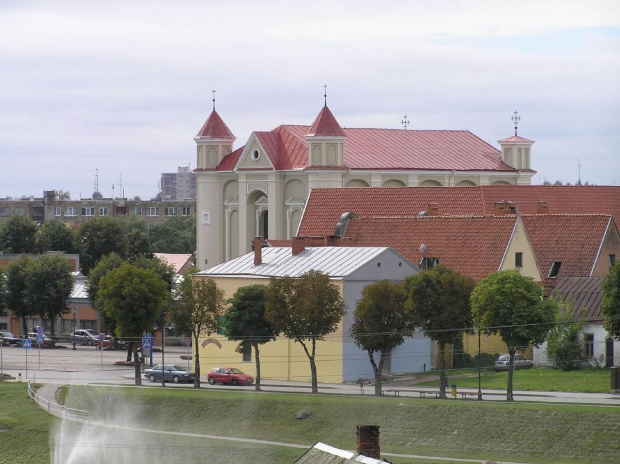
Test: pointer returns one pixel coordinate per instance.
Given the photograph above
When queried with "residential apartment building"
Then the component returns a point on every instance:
(180, 185)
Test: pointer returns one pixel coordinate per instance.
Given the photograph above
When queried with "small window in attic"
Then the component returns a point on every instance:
(518, 260)
(612, 260)
(428, 263)
(555, 269)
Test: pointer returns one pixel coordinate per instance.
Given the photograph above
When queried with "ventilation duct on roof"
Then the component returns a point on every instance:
(423, 213)
(343, 223)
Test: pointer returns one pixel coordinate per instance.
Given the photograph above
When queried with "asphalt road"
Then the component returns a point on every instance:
(89, 366)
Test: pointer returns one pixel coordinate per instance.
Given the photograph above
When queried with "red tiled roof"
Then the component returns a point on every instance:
(230, 160)
(325, 206)
(179, 262)
(472, 245)
(325, 125)
(586, 293)
(572, 239)
(214, 128)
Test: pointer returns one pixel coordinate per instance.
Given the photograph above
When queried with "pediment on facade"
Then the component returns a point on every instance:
(254, 156)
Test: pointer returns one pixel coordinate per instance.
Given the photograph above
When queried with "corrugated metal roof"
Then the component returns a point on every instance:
(321, 453)
(79, 289)
(337, 262)
(587, 294)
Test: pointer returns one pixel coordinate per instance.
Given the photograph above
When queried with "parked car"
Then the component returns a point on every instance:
(229, 375)
(170, 372)
(33, 338)
(9, 339)
(520, 362)
(85, 337)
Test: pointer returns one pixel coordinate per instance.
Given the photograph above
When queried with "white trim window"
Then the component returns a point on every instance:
(58, 211)
(171, 211)
(71, 211)
(153, 211)
(88, 211)
(103, 211)
(137, 210)
(186, 211)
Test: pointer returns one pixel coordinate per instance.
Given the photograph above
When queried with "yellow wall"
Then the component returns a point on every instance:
(281, 359)
(520, 243)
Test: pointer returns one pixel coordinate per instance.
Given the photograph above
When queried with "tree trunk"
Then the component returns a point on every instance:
(52, 331)
(130, 347)
(377, 371)
(196, 363)
(511, 353)
(315, 387)
(24, 326)
(442, 368)
(257, 361)
(378, 378)
(137, 365)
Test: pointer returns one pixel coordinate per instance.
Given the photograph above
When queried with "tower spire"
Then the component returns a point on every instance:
(515, 119)
(213, 92)
(325, 93)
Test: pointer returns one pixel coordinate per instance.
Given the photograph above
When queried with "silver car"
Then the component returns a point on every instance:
(85, 337)
(172, 372)
(520, 362)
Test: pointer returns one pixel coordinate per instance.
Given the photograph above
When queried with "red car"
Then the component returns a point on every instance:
(229, 375)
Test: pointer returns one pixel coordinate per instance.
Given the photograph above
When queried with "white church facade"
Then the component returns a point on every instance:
(261, 188)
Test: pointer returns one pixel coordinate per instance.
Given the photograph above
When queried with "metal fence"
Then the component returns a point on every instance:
(55, 408)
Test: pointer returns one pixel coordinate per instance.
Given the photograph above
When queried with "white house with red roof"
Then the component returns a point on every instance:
(261, 188)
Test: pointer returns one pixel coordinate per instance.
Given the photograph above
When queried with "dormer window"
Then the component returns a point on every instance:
(255, 155)
(555, 269)
(428, 263)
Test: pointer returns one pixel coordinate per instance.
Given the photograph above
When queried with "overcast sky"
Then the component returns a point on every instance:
(122, 87)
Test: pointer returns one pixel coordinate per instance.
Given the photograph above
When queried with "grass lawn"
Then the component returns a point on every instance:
(536, 378)
(450, 428)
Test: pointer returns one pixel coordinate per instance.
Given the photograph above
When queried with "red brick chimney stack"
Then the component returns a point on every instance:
(299, 245)
(541, 207)
(368, 441)
(258, 251)
(500, 208)
(433, 209)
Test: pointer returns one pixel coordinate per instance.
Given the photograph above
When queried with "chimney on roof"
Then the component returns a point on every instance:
(500, 208)
(541, 207)
(333, 240)
(433, 209)
(299, 245)
(258, 251)
(368, 441)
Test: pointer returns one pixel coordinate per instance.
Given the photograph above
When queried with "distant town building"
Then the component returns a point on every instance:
(179, 185)
(74, 212)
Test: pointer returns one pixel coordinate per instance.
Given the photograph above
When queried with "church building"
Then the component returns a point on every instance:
(261, 188)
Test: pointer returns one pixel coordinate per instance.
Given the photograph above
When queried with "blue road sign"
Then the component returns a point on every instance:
(39, 339)
(40, 330)
(146, 342)
(26, 343)
(101, 337)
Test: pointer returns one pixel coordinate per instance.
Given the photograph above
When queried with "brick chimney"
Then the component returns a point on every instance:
(299, 245)
(433, 209)
(541, 207)
(333, 240)
(258, 251)
(500, 208)
(368, 441)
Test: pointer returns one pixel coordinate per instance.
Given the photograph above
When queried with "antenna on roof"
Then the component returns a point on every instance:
(213, 92)
(515, 119)
(325, 93)
(405, 122)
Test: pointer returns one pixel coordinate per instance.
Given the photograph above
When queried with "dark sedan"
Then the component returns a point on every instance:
(171, 372)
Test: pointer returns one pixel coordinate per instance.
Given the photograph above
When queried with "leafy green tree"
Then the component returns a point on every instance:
(197, 311)
(138, 244)
(17, 235)
(610, 305)
(55, 236)
(381, 323)
(134, 299)
(563, 346)
(438, 303)
(98, 238)
(49, 284)
(176, 235)
(513, 305)
(62, 195)
(246, 322)
(305, 309)
(14, 289)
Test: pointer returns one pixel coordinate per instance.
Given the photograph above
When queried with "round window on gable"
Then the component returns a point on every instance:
(255, 155)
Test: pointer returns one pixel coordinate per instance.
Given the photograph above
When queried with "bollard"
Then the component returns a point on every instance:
(20, 377)
(453, 388)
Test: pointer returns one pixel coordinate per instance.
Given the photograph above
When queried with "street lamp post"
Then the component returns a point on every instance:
(73, 328)
(479, 390)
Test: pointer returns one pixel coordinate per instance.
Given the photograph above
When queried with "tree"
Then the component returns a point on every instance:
(49, 284)
(176, 235)
(512, 305)
(197, 311)
(381, 323)
(17, 235)
(563, 347)
(246, 322)
(305, 310)
(98, 238)
(62, 195)
(610, 304)
(55, 236)
(438, 303)
(97, 195)
(134, 299)
(14, 289)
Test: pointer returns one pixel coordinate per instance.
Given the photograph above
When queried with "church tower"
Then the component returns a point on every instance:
(515, 149)
(325, 141)
(214, 141)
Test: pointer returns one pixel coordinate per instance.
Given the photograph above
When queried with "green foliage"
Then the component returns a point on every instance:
(176, 235)
(55, 236)
(98, 238)
(610, 305)
(17, 235)
(103, 267)
(197, 311)
(62, 195)
(138, 244)
(14, 288)
(48, 287)
(305, 310)
(563, 345)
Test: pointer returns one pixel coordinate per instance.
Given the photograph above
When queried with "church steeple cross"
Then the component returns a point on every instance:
(405, 122)
(325, 93)
(515, 119)
(213, 92)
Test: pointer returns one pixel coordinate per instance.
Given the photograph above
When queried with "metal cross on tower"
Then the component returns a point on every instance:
(515, 119)
(325, 93)
(405, 122)
(213, 92)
